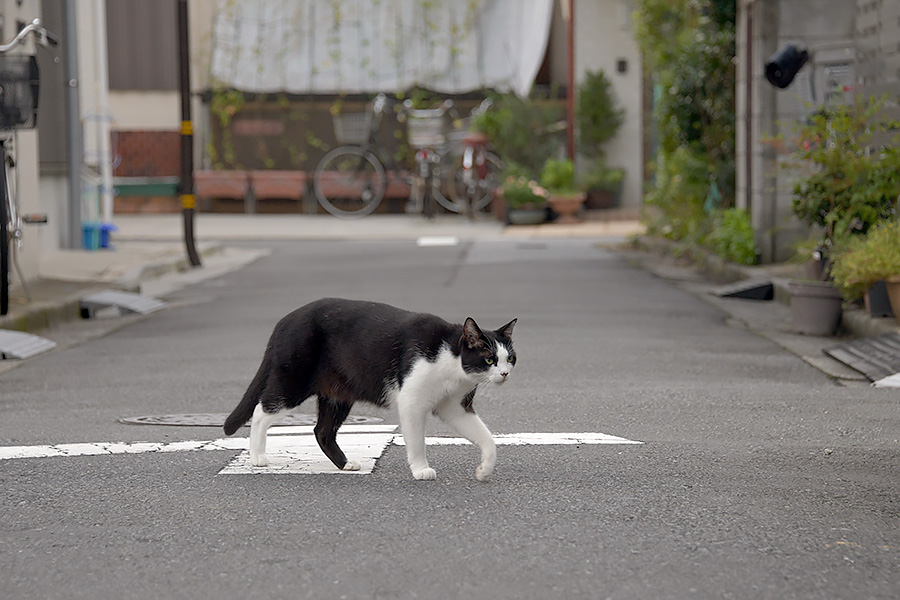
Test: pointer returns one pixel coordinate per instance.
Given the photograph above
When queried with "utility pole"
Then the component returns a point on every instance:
(188, 203)
(570, 83)
(74, 140)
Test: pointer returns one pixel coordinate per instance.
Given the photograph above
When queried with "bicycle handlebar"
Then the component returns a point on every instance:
(44, 37)
(379, 103)
(482, 108)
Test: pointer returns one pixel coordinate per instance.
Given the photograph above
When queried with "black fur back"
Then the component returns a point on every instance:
(345, 351)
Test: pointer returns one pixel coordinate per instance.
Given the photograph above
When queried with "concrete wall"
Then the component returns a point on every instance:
(826, 27)
(604, 36)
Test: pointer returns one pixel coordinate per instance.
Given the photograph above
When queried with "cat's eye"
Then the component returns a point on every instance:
(489, 360)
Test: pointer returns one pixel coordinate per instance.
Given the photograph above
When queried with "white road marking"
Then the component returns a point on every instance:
(437, 240)
(293, 449)
(293, 454)
(532, 439)
(891, 381)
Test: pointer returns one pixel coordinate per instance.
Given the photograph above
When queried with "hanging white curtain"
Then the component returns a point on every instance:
(365, 46)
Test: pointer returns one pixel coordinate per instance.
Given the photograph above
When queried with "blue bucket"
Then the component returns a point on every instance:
(105, 230)
(90, 238)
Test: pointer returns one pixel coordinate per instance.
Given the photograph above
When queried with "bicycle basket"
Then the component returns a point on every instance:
(18, 92)
(425, 131)
(352, 128)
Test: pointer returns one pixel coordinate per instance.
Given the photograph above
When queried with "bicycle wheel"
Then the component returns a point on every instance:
(443, 189)
(481, 190)
(4, 238)
(349, 182)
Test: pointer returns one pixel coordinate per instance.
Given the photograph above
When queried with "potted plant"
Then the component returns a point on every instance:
(598, 117)
(603, 186)
(844, 190)
(558, 178)
(524, 199)
(861, 262)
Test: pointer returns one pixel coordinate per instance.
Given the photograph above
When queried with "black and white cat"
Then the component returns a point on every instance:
(344, 351)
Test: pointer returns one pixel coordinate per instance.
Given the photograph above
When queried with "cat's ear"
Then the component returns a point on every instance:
(506, 330)
(472, 335)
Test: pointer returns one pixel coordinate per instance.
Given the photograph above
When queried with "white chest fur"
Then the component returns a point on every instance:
(431, 382)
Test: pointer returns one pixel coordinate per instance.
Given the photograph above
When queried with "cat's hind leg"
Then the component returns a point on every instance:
(259, 425)
(467, 424)
(331, 416)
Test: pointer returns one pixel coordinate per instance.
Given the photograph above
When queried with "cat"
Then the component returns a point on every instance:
(343, 351)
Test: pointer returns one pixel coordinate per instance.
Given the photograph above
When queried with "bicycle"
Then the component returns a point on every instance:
(478, 173)
(350, 181)
(425, 129)
(19, 84)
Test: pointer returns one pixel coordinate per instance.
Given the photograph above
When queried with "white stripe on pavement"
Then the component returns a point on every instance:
(293, 449)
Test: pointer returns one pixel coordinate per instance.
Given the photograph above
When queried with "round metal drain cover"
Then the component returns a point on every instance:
(218, 419)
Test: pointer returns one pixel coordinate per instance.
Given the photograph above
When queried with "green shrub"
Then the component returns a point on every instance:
(860, 261)
(602, 178)
(732, 236)
(522, 130)
(675, 203)
(521, 192)
(597, 114)
(845, 189)
(558, 176)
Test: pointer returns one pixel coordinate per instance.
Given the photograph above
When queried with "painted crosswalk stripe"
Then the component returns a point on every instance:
(531, 439)
(294, 450)
(432, 241)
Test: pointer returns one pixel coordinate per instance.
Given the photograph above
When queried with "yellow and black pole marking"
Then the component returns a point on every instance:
(188, 203)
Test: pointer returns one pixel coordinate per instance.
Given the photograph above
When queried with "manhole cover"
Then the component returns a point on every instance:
(218, 419)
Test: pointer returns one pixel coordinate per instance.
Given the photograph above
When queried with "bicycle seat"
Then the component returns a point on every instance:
(475, 138)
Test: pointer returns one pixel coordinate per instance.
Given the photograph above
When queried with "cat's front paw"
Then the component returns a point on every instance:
(483, 471)
(351, 465)
(259, 460)
(425, 474)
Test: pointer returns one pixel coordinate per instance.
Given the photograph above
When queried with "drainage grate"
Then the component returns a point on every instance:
(875, 357)
(18, 344)
(125, 302)
(218, 419)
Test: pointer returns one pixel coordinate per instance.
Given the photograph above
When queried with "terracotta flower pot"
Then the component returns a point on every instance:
(815, 307)
(221, 184)
(278, 184)
(567, 206)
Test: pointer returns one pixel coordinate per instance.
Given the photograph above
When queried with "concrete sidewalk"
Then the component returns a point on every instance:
(148, 246)
(233, 227)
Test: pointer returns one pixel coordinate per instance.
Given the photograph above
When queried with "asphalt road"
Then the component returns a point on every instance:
(759, 476)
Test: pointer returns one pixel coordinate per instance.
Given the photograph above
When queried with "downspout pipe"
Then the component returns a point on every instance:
(74, 139)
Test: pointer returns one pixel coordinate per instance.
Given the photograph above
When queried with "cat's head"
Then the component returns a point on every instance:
(488, 354)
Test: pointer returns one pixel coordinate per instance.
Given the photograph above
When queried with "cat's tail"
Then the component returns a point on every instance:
(244, 410)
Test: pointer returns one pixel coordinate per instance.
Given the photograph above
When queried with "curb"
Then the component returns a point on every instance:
(45, 314)
(855, 321)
